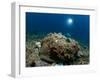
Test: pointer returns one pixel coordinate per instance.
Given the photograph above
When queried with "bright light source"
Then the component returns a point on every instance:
(69, 21)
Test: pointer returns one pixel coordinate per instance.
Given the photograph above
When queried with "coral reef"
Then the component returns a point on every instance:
(30, 58)
(55, 49)
(60, 49)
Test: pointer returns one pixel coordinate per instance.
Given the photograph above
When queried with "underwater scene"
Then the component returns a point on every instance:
(55, 39)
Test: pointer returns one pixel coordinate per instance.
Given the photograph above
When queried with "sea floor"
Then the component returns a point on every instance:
(33, 59)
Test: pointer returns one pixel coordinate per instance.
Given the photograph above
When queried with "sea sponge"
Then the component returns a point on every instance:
(58, 48)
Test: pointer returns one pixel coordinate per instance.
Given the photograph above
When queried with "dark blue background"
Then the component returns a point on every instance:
(47, 22)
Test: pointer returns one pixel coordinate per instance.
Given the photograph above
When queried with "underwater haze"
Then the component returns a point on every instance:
(73, 25)
(54, 39)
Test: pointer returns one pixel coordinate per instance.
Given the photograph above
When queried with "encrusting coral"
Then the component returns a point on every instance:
(57, 48)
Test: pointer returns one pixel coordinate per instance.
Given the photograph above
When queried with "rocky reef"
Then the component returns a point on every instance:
(55, 49)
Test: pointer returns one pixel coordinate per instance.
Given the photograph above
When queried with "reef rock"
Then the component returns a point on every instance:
(56, 47)
(37, 44)
(29, 58)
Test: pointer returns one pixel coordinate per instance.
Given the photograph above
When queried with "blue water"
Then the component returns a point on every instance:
(75, 26)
